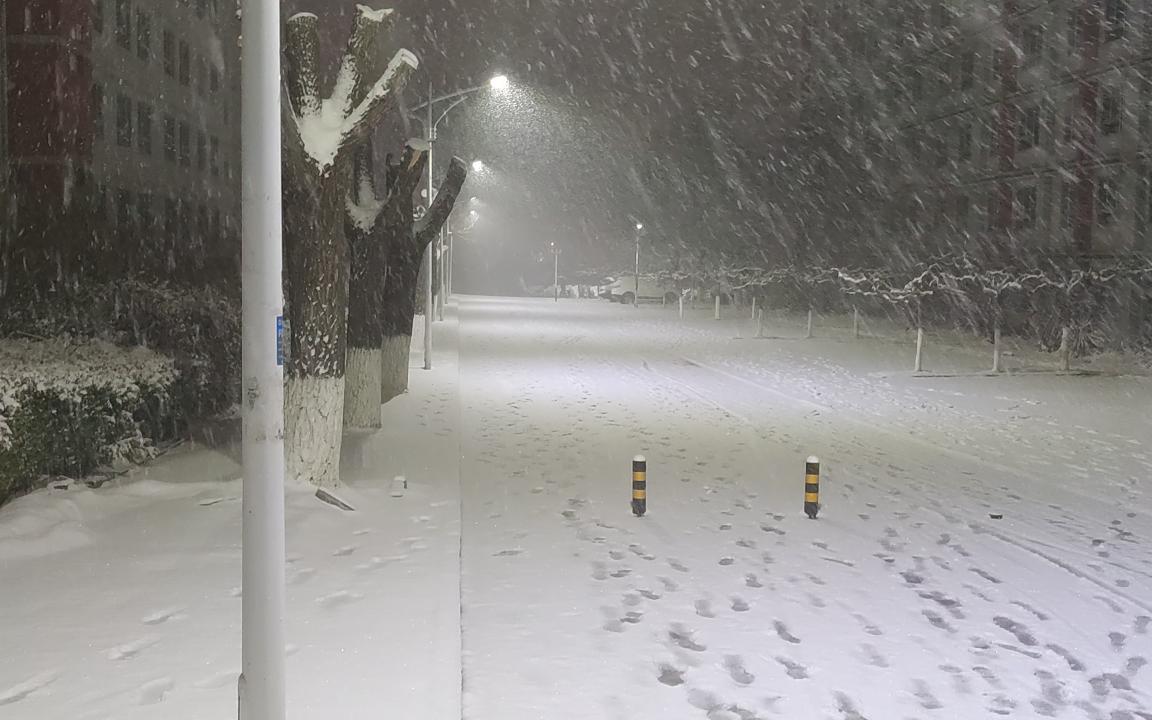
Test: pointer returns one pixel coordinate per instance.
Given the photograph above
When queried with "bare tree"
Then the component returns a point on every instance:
(320, 137)
(407, 241)
(368, 214)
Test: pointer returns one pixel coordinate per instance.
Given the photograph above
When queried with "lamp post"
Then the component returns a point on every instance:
(497, 83)
(556, 270)
(261, 685)
(636, 296)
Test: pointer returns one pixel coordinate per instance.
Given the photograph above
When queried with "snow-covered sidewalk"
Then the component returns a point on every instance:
(124, 602)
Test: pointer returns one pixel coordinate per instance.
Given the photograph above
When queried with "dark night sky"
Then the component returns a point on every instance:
(623, 111)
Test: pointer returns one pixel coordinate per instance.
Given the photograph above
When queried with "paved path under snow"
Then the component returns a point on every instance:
(904, 600)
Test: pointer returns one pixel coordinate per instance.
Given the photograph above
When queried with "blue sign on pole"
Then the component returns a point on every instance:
(280, 340)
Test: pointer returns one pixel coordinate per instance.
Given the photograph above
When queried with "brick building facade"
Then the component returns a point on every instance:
(123, 136)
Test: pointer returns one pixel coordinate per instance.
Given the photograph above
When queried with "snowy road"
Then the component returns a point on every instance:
(905, 599)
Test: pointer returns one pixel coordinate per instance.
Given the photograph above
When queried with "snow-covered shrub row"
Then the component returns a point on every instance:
(67, 407)
(198, 327)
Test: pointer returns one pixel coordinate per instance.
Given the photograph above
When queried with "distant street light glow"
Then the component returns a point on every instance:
(639, 226)
(499, 82)
(477, 165)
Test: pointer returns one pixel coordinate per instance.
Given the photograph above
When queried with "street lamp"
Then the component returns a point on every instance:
(477, 166)
(498, 83)
(636, 277)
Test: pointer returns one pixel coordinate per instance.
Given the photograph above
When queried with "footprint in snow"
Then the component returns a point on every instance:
(161, 616)
(336, 599)
(301, 575)
(795, 670)
(670, 676)
(750, 580)
(735, 667)
(704, 608)
(508, 553)
(153, 692)
(682, 636)
(130, 650)
(18, 692)
(677, 565)
(727, 560)
(785, 635)
(740, 605)
(668, 584)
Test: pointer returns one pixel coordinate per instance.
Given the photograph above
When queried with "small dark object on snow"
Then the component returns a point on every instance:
(325, 496)
(996, 516)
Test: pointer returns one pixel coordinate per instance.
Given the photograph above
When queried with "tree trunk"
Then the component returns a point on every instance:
(317, 275)
(319, 139)
(365, 299)
(399, 311)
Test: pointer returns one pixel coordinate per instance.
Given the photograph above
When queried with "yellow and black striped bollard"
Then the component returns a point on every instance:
(812, 487)
(639, 486)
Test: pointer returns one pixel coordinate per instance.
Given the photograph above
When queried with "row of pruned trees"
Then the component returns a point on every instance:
(352, 246)
(1073, 293)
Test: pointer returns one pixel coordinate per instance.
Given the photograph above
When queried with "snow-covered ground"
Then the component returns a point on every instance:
(905, 599)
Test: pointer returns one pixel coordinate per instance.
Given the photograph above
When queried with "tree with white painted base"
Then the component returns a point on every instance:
(320, 137)
(407, 241)
(370, 289)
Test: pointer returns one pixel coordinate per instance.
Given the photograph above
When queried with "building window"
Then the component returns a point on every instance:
(97, 110)
(143, 35)
(1115, 12)
(123, 121)
(967, 69)
(170, 138)
(1106, 201)
(202, 77)
(185, 63)
(171, 218)
(1067, 203)
(124, 24)
(144, 127)
(169, 54)
(1032, 43)
(964, 142)
(1024, 209)
(1028, 133)
(98, 16)
(1111, 111)
(185, 145)
(214, 157)
(144, 211)
(1073, 30)
(124, 208)
(201, 151)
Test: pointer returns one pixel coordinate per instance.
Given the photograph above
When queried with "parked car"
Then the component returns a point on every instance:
(624, 290)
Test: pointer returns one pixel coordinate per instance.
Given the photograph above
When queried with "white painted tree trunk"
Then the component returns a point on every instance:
(753, 307)
(856, 323)
(1066, 349)
(681, 307)
(362, 388)
(996, 349)
(759, 323)
(717, 306)
(394, 358)
(810, 313)
(314, 415)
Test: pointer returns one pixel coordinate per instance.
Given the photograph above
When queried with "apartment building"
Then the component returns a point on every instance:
(123, 135)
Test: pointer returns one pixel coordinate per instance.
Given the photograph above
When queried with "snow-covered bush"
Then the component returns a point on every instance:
(67, 407)
(199, 328)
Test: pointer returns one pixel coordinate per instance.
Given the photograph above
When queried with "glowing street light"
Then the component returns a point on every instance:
(499, 82)
(477, 166)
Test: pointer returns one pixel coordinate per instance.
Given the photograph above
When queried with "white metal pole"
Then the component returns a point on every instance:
(431, 133)
(760, 323)
(856, 322)
(717, 312)
(443, 284)
(753, 307)
(261, 686)
(636, 296)
(451, 258)
(681, 306)
(556, 273)
(919, 349)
